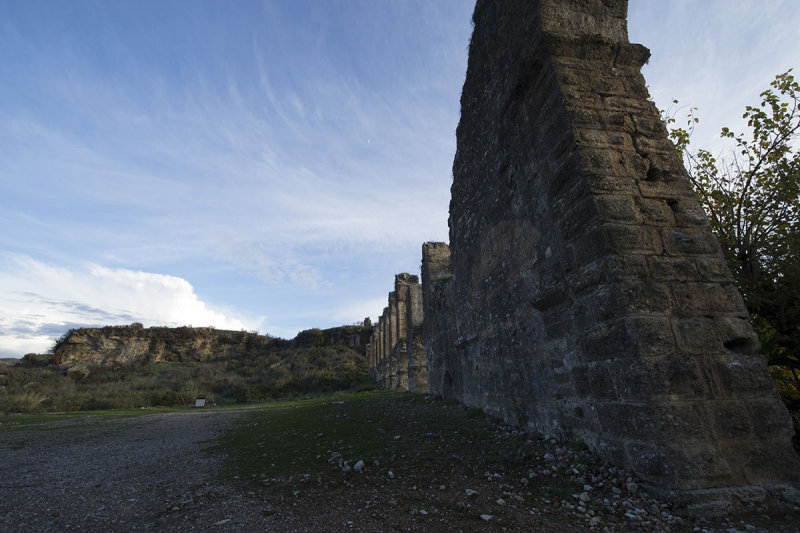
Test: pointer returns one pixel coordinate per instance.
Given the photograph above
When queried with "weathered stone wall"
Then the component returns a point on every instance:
(399, 361)
(584, 295)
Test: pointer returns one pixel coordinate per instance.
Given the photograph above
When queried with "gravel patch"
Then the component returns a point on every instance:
(142, 473)
(153, 473)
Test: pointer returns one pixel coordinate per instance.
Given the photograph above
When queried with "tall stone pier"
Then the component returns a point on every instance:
(417, 364)
(443, 377)
(585, 296)
(391, 341)
(401, 284)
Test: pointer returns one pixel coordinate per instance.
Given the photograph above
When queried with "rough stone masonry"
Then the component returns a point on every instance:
(396, 353)
(583, 294)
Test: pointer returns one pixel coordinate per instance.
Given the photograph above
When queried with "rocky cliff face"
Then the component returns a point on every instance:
(355, 337)
(135, 344)
(127, 345)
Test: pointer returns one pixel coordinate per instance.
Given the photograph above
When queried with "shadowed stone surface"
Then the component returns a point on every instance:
(583, 294)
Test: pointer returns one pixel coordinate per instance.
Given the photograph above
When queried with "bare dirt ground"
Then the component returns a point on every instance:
(156, 473)
(144, 473)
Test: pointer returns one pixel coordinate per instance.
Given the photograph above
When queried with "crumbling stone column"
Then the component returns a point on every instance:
(374, 355)
(370, 366)
(402, 283)
(384, 360)
(391, 334)
(417, 362)
(443, 366)
(588, 298)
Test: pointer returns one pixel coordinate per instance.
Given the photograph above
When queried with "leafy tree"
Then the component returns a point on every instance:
(752, 197)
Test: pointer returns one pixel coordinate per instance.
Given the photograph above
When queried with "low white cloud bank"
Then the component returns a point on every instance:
(39, 302)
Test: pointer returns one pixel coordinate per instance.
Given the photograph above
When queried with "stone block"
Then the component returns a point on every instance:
(647, 124)
(650, 334)
(744, 376)
(672, 269)
(651, 461)
(616, 208)
(628, 337)
(713, 268)
(664, 378)
(688, 241)
(655, 211)
(609, 120)
(660, 189)
(697, 336)
(737, 335)
(766, 460)
(732, 420)
(702, 464)
(768, 418)
(688, 212)
(708, 299)
(632, 239)
(607, 269)
(605, 163)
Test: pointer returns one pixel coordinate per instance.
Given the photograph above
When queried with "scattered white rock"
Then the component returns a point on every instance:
(390, 474)
(500, 501)
(470, 492)
(486, 517)
(359, 466)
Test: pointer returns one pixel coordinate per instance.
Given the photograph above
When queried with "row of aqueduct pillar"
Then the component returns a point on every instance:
(396, 352)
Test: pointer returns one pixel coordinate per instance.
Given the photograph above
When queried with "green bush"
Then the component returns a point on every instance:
(278, 373)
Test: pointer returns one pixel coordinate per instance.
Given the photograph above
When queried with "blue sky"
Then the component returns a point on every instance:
(269, 165)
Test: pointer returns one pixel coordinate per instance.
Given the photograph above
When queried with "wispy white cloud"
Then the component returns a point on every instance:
(40, 301)
(715, 55)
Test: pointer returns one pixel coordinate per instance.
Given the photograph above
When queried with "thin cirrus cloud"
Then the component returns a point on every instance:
(283, 158)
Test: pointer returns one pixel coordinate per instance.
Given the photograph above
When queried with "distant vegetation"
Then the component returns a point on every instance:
(36, 386)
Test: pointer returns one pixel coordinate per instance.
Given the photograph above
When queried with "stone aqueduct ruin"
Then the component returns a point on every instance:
(582, 293)
(396, 353)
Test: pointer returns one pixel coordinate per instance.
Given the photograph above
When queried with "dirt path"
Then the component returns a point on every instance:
(152, 473)
(124, 474)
